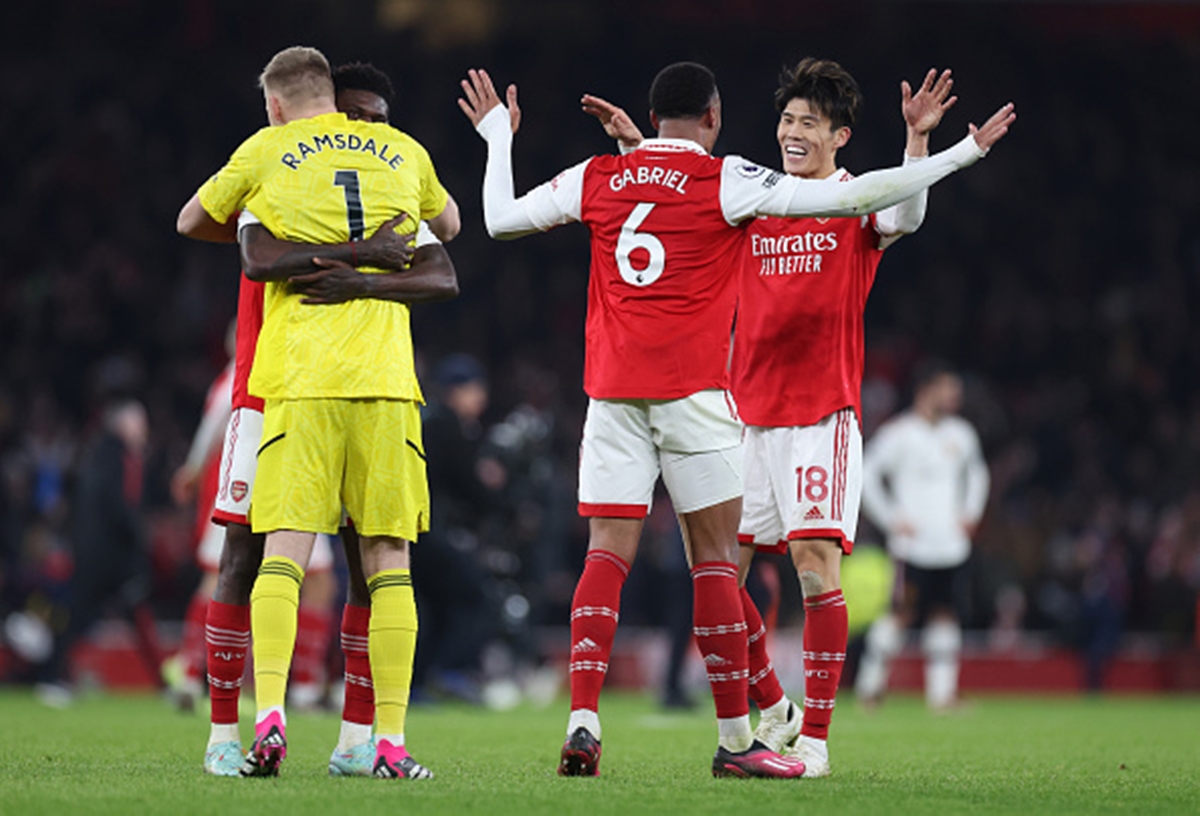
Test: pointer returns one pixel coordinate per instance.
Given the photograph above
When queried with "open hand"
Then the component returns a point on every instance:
(481, 98)
(923, 111)
(993, 129)
(617, 123)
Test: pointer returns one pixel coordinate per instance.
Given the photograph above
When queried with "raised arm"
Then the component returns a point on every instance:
(505, 215)
(749, 190)
(922, 113)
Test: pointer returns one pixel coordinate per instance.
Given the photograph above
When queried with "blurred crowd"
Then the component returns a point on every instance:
(1060, 276)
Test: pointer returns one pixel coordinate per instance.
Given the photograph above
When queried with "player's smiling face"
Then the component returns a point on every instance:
(807, 140)
(362, 106)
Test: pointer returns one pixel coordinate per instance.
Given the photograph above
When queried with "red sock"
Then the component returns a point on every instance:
(227, 635)
(826, 630)
(720, 628)
(192, 649)
(312, 642)
(594, 613)
(359, 703)
(765, 690)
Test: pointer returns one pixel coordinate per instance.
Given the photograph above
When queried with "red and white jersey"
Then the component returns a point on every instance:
(249, 324)
(798, 352)
(667, 222)
(662, 290)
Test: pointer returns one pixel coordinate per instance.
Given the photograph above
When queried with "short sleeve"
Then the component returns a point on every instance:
(226, 191)
(433, 195)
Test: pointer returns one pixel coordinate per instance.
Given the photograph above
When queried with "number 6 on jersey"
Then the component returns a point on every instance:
(631, 240)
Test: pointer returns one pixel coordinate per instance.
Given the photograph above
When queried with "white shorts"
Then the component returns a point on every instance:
(803, 482)
(208, 554)
(694, 442)
(239, 462)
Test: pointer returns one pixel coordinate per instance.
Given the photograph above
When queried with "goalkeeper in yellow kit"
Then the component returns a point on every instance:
(341, 422)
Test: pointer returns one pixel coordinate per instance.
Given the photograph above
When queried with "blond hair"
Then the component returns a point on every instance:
(297, 74)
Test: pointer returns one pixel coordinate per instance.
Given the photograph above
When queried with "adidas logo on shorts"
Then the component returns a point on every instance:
(814, 514)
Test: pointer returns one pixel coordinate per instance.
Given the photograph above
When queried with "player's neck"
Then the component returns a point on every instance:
(682, 129)
(308, 110)
(928, 413)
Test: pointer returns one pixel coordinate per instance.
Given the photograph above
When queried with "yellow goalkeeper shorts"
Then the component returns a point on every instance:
(318, 455)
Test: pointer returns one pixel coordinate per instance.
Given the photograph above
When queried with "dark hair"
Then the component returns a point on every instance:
(826, 86)
(363, 76)
(684, 90)
(929, 370)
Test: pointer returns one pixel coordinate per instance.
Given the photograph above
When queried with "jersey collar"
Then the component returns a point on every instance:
(685, 145)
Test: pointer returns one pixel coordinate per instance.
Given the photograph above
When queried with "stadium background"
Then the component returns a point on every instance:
(1061, 274)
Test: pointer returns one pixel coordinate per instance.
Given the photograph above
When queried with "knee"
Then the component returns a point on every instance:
(814, 567)
(885, 636)
(240, 560)
(942, 638)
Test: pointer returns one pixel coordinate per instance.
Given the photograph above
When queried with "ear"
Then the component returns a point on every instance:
(840, 138)
(654, 121)
(275, 109)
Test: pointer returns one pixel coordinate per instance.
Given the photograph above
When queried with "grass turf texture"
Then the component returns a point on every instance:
(134, 754)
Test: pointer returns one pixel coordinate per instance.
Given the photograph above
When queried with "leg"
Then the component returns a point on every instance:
(719, 622)
(392, 643)
(779, 724)
(595, 610)
(818, 563)
(942, 644)
(354, 754)
(227, 642)
(313, 625)
(274, 603)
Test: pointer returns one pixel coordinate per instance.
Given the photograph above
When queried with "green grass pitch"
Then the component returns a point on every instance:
(134, 755)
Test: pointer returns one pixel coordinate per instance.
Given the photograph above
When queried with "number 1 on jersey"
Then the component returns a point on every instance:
(354, 207)
(631, 240)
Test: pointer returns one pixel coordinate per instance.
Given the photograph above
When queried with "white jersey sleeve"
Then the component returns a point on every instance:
(878, 462)
(245, 219)
(904, 218)
(748, 189)
(978, 479)
(556, 202)
(425, 236)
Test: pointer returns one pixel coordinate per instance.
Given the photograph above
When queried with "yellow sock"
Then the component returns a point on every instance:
(273, 604)
(392, 642)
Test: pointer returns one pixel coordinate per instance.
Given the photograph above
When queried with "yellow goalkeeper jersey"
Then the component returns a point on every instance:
(321, 180)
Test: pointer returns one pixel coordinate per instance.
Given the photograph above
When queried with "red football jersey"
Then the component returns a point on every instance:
(249, 324)
(663, 285)
(798, 352)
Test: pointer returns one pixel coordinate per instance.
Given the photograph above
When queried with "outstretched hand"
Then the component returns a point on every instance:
(923, 111)
(481, 98)
(993, 129)
(616, 122)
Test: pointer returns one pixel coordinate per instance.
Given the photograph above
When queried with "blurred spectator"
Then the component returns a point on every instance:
(451, 587)
(110, 546)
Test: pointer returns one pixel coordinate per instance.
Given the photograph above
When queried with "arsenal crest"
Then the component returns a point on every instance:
(238, 490)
